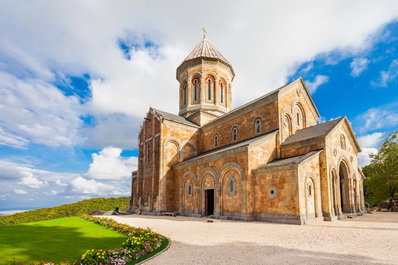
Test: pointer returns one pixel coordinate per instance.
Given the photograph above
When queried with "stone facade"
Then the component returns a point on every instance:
(267, 160)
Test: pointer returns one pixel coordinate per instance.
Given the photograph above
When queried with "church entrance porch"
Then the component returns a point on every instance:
(209, 202)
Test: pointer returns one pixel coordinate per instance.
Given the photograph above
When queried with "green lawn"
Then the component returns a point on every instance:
(54, 240)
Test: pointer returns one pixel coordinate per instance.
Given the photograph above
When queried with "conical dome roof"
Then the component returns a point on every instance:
(205, 49)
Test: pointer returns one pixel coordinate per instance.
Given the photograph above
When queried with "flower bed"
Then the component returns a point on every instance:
(139, 242)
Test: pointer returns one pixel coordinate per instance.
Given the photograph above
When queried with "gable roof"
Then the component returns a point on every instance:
(247, 105)
(205, 49)
(312, 132)
(294, 160)
(228, 147)
(175, 118)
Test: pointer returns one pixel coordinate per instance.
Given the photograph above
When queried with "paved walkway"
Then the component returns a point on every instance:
(370, 239)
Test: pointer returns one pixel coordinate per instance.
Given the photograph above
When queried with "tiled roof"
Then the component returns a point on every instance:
(206, 50)
(229, 147)
(288, 161)
(312, 132)
(176, 118)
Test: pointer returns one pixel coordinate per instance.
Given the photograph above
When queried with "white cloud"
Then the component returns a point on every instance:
(52, 192)
(363, 157)
(319, 80)
(358, 65)
(46, 40)
(9, 139)
(37, 111)
(18, 191)
(108, 165)
(59, 182)
(383, 117)
(370, 140)
(387, 76)
(84, 186)
(113, 130)
(32, 182)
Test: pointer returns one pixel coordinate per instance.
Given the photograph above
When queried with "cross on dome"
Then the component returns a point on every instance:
(204, 32)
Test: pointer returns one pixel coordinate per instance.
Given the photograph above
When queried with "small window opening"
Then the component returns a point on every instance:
(258, 126)
(196, 89)
(216, 140)
(310, 190)
(184, 94)
(209, 89)
(231, 185)
(298, 119)
(235, 134)
(190, 189)
(222, 93)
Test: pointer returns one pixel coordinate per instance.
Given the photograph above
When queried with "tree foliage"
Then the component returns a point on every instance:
(382, 172)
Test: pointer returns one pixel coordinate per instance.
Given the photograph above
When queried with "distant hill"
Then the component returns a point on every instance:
(66, 210)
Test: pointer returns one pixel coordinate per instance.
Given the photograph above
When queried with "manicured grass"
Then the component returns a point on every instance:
(165, 243)
(54, 240)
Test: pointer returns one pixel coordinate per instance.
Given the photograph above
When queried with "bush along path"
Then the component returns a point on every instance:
(140, 242)
(140, 245)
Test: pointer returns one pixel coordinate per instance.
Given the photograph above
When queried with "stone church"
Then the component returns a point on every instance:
(267, 160)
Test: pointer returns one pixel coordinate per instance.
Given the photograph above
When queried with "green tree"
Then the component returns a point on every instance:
(382, 172)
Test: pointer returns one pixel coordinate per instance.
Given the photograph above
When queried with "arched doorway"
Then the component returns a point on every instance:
(344, 188)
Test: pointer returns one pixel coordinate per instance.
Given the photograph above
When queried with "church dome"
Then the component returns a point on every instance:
(205, 78)
(205, 49)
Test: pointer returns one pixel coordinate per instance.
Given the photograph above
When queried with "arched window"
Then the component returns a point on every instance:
(216, 140)
(298, 119)
(257, 126)
(309, 189)
(209, 89)
(300, 116)
(235, 134)
(184, 94)
(190, 191)
(221, 92)
(232, 186)
(287, 122)
(196, 89)
(342, 140)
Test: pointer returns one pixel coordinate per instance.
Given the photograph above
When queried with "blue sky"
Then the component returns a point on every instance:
(76, 78)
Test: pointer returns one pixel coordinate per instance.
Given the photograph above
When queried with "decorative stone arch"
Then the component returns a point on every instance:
(216, 139)
(258, 124)
(286, 124)
(203, 171)
(187, 175)
(298, 114)
(203, 177)
(195, 84)
(311, 196)
(184, 92)
(222, 84)
(210, 84)
(345, 185)
(188, 144)
(235, 166)
(235, 132)
(177, 142)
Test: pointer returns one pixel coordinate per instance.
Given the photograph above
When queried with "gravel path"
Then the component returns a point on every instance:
(370, 239)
